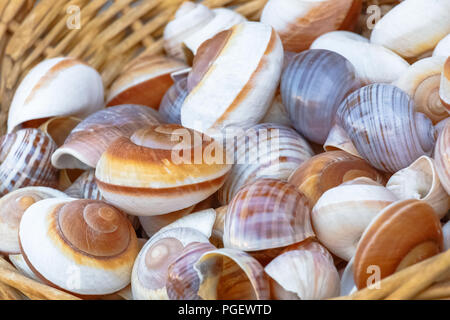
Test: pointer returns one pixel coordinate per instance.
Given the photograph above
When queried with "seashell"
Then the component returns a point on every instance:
(299, 23)
(55, 87)
(339, 140)
(59, 128)
(12, 207)
(86, 143)
(144, 82)
(153, 224)
(218, 227)
(303, 272)
(328, 170)
(25, 160)
(443, 47)
(277, 113)
(373, 63)
(67, 177)
(444, 90)
(85, 187)
(422, 82)
(170, 108)
(382, 124)
(229, 274)
(442, 157)
(265, 151)
(267, 214)
(148, 280)
(347, 282)
(312, 108)
(342, 213)
(91, 244)
(183, 281)
(21, 265)
(421, 181)
(246, 60)
(446, 235)
(381, 249)
(413, 27)
(168, 168)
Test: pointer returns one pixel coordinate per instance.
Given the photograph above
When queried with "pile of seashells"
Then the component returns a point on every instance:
(340, 157)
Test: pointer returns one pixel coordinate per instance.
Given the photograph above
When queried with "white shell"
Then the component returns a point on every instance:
(348, 285)
(56, 87)
(19, 262)
(277, 113)
(339, 140)
(443, 47)
(444, 90)
(442, 156)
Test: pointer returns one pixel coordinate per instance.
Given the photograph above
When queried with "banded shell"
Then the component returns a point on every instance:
(299, 23)
(382, 124)
(443, 47)
(265, 151)
(170, 108)
(86, 143)
(25, 160)
(267, 214)
(442, 157)
(85, 187)
(12, 207)
(246, 61)
(444, 90)
(55, 87)
(91, 244)
(168, 168)
(144, 82)
(373, 63)
(413, 27)
(421, 181)
(328, 170)
(330, 78)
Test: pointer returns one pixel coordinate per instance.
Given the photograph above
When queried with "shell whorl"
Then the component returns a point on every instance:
(85, 187)
(170, 108)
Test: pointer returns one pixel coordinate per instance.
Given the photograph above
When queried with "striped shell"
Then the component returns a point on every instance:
(267, 214)
(91, 245)
(442, 157)
(312, 86)
(265, 151)
(170, 108)
(168, 168)
(144, 82)
(55, 87)
(299, 23)
(86, 143)
(85, 187)
(246, 62)
(382, 124)
(25, 160)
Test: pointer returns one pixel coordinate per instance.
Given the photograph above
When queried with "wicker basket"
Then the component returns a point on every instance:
(114, 33)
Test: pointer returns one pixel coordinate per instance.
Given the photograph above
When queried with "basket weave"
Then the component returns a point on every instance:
(113, 33)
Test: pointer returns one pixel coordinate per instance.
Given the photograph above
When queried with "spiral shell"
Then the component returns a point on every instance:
(25, 160)
(168, 168)
(266, 150)
(328, 170)
(55, 87)
(373, 63)
(59, 128)
(330, 78)
(443, 47)
(381, 246)
(144, 82)
(170, 108)
(246, 61)
(299, 23)
(91, 244)
(85, 187)
(382, 124)
(86, 143)
(267, 214)
(12, 207)
(442, 157)
(339, 140)
(444, 90)
(413, 27)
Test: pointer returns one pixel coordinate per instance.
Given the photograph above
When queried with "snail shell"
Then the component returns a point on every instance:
(85, 187)
(422, 82)
(246, 61)
(21, 265)
(91, 244)
(303, 272)
(267, 214)
(342, 213)
(230, 274)
(277, 113)
(444, 90)
(443, 47)
(373, 63)
(347, 281)
(382, 124)
(339, 140)
(12, 207)
(299, 23)
(328, 170)
(86, 143)
(381, 246)
(144, 82)
(170, 108)
(25, 160)
(421, 181)
(168, 168)
(442, 156)
(413, 27)
(59, 128)
(55, 87)
(266, 150)
(330, 78)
